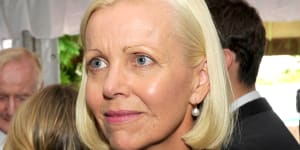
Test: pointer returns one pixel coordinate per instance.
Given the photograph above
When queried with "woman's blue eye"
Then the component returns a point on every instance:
(143, 60)
(97, 63)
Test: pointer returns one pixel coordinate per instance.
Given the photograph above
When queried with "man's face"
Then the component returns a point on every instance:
(18, 81)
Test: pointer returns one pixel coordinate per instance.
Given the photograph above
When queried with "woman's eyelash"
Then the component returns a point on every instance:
(143, 60)
(138, 60)
(97, 63)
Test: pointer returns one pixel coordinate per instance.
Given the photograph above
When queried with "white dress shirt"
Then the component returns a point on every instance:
(244, 100)
(2, 139)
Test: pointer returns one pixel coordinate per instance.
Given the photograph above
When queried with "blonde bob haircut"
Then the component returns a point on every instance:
(195, 28)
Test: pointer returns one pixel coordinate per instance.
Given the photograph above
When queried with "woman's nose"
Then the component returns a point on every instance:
(116, 84)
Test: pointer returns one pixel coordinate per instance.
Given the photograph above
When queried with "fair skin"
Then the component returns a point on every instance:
(18, 80)
(140, 86)
(239, 89)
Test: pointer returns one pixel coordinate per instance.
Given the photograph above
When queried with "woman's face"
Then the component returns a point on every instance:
(139, 83)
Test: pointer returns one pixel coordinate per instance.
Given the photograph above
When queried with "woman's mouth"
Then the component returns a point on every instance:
(121, 116)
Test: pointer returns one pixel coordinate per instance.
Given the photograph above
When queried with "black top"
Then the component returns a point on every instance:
(259, 128)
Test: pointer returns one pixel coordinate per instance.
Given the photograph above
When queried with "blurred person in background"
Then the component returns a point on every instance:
(46, 121)
(243, 39)
(20, 77)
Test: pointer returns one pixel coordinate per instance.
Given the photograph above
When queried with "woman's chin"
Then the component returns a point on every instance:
(130, 142)
(126, 145)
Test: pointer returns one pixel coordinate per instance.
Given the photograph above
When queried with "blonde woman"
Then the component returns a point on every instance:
(46, 121)
(153, 77)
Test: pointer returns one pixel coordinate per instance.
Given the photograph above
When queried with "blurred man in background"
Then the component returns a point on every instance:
(243, 39)
(20, 77)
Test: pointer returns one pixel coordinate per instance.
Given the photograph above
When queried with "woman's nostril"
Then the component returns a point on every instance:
(107, 97)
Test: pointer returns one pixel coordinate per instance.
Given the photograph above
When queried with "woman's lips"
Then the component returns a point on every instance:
(121, 116)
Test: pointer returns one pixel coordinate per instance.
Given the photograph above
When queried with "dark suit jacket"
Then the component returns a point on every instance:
(259, 128)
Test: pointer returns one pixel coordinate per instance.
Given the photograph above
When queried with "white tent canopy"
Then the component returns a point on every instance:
(277, 10)
(46, 19)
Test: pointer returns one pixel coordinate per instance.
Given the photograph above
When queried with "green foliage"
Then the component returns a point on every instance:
(290, 76)
(286, 75)
(70, 60)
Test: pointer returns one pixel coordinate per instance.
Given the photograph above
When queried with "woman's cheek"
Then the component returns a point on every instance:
(92, 97)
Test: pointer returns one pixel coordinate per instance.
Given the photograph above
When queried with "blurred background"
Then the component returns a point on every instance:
(51, 27)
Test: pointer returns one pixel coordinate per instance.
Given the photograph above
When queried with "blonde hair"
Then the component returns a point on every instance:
(196, 30)
(16, 54)
(46, 121)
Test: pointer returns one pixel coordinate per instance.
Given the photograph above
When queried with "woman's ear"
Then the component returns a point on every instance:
(201, 83)
(229, 57)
